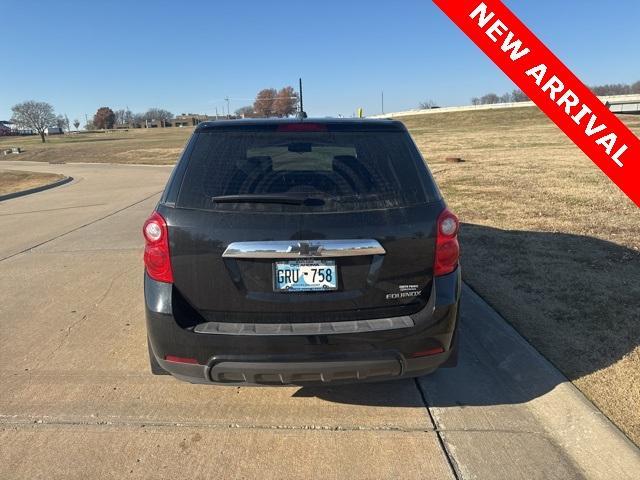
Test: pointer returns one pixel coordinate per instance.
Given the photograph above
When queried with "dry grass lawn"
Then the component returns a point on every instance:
(152, 146)
(550, 242)
(547, 238)
(15, 181)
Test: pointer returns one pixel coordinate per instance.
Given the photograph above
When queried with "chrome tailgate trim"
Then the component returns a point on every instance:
(304, 249)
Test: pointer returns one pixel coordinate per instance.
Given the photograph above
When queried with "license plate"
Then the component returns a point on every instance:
(305, 276)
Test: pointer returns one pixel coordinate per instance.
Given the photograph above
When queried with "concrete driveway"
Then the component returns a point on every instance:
(77, 399)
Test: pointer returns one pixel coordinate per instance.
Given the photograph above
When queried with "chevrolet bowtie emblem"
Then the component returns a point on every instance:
(307, 249)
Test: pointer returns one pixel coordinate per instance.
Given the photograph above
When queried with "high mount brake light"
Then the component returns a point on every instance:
(157, 260)
(302, 127)
(447, 247)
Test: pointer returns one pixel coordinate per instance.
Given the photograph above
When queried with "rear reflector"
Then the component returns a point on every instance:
(428, 352)
(302, 127)
(173, 358)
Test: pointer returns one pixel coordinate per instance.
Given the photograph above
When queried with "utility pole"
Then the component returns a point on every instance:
(302, 114)
(300, 88)
(382, 92)
(228, 110)
(216, 113)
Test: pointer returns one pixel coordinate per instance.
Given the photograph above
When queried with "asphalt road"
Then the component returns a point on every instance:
(77, 400)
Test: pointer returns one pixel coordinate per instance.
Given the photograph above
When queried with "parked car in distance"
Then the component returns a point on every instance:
(301, 252)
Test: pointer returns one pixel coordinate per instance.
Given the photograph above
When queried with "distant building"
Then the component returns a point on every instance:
(53, 131)
(156, 124)
(628, 104)
(5, 128)
(9, 128)
(183, 120)
(189, 120)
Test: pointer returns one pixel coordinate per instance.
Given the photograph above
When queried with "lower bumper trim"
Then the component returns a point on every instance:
(296, 373)
(320, 328)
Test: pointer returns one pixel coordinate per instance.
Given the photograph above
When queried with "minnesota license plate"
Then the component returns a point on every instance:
(305, 276)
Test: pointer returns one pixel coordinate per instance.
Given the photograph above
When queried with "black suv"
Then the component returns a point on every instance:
(301, 252)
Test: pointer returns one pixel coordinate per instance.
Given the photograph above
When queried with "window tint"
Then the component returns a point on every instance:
(346, 170)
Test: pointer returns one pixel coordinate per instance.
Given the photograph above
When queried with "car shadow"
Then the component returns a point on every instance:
(573, 297)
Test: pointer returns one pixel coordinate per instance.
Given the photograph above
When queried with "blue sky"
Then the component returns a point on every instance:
(187, 56)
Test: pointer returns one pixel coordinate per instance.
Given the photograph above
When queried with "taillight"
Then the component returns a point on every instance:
(156, 249)
(447, 247)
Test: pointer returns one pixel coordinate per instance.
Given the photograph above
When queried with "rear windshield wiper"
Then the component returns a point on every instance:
(275, 198)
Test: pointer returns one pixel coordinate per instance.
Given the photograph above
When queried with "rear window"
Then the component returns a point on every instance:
(338, 170)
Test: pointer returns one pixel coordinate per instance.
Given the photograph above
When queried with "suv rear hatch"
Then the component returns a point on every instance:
(285, 222)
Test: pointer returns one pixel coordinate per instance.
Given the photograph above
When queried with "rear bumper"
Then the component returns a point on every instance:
(308, 359)
(301, 370)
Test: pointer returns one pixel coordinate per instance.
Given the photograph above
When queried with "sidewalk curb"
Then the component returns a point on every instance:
(532, 393)
(29, 191)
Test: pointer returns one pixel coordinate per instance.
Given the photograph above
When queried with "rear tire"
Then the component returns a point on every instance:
(155, 367)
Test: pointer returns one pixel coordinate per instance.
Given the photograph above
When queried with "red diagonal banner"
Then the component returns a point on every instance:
(551, 85)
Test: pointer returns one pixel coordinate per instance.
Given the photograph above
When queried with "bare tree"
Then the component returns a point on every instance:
(245, 111)
(34, 115)
(263, 104)
(60, 123)
(76, 123)
(158, 114)
(612, 89)
(123, 117)
(427, 104)
(617, 89)
(104, 118)
(137, 120)
(519, 96)
(286, 102)
(489, 98)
